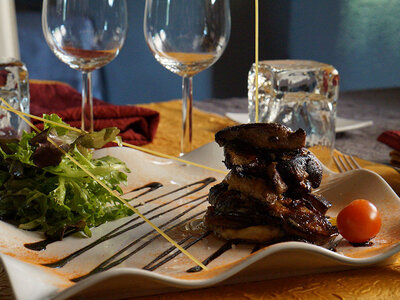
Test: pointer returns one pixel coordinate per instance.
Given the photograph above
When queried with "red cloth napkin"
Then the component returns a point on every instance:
(391, 138)
(138, 125)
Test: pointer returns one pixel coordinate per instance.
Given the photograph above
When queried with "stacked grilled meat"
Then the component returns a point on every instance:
(267, 196)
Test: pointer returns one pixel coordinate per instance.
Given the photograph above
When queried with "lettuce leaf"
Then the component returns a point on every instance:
(61, 198)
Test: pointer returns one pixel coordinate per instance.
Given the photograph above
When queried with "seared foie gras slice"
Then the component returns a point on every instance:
(236, 204)
(309, 224)
(251, 234)
(318, 202)
(270, 136)
(298, 224)
(296, 217)
(242, 227)
(252, 186)
(276, 179)
(237, 156)
(300, 170)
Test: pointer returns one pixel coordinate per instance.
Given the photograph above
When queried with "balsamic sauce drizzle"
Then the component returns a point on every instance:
(365, 244)
(166, 252)
(333, 244)
(256, 248)
(152, 186)
(118, 231)
(109, 263)
(203, 183)
(41, 245)
(225, 247)
(149, 266)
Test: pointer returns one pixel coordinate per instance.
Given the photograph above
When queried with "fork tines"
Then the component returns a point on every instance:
(346, 163)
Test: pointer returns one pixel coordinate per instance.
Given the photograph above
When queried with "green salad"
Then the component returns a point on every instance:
(41, 189)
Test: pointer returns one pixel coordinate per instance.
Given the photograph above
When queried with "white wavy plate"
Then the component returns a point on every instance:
(31, 281)
(342, 124)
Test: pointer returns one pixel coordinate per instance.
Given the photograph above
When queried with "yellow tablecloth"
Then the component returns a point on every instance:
(366, 283)
(169, 131)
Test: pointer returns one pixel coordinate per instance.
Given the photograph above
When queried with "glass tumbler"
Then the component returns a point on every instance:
(299, 94)
(14, 89)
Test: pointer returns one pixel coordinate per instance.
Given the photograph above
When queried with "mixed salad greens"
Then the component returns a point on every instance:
(42, 189)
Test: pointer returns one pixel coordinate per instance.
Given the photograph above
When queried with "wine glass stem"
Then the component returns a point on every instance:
(87, 100)
(187, 104)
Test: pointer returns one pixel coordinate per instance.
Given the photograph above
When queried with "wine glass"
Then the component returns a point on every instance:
(186, 37)
(86, 35)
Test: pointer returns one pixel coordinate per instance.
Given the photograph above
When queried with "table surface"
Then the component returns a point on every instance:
(380, 106)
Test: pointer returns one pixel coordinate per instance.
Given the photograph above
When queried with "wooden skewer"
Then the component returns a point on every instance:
(256, 58)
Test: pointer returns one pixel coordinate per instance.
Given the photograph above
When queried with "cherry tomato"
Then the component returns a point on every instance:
(359, 221)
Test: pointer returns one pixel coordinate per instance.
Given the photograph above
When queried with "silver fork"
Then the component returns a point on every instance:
(346, 163)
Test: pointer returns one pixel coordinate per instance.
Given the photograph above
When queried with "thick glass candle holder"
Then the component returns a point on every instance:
(299, 94)
(14, 89)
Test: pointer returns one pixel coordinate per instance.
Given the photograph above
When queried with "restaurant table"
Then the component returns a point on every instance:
(381, 106)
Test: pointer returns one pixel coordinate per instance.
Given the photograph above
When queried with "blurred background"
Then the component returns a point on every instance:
(359, 37)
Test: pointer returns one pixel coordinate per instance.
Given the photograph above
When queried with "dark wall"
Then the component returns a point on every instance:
(360, 38)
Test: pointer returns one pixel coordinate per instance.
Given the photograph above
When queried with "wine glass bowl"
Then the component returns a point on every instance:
(185, 64)
(187, 37)
(85, 35)
(85, 60)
